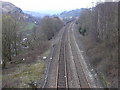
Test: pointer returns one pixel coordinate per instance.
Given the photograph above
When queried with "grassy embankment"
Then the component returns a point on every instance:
(22, 75)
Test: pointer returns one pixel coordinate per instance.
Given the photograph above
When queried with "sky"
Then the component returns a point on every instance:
(44, 5)
(52, 5)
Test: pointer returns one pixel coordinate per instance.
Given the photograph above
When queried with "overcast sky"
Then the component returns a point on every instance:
(45, 5)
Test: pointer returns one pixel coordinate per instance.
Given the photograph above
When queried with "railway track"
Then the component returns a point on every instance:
(52, 76)
(62, 68)
(69, 70)
(62, 81)
(83, 81)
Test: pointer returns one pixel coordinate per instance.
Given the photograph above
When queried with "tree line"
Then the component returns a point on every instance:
(99, 29)
(101, 21)
(16, 42)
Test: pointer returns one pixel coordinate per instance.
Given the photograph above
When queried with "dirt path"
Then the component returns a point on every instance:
(68, 68)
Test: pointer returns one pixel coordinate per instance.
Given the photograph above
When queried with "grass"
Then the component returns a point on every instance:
(24, 74)
(105, 82)
(27, 26)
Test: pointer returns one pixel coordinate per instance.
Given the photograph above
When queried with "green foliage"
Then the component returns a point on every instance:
(105, 82)
(82, 31)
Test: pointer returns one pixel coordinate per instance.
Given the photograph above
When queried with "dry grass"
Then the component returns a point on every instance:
(21, 75)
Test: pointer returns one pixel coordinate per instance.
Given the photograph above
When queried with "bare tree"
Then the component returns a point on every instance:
(50, 25)
(9, 38)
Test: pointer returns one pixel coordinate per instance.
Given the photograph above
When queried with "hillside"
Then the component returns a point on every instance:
(69, 16)
(8, 7)
(11, 9)
(72, 13)
(35, 14)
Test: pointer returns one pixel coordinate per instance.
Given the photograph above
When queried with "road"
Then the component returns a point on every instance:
(68, 68)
